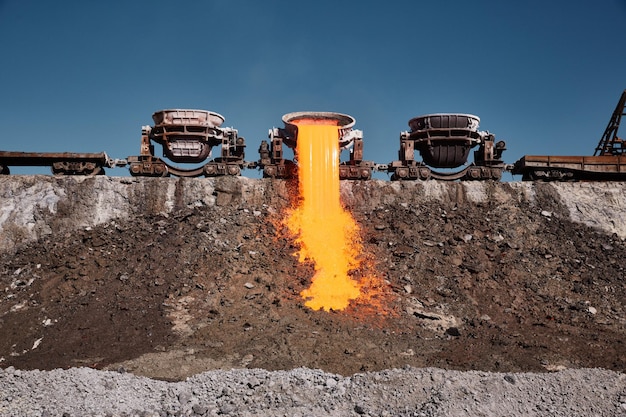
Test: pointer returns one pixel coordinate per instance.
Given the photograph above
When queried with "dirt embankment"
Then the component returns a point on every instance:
(168, 278)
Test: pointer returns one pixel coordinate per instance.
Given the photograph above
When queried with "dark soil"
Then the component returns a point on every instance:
(468, 287)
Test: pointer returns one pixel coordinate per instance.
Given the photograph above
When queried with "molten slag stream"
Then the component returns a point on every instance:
(327, 234)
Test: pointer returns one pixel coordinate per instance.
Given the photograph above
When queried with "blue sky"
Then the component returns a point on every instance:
(84, 76)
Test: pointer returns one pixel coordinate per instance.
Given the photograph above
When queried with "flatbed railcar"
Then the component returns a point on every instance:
(608, 162)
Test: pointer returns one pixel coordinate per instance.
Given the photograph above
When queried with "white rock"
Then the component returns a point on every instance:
(37, 343)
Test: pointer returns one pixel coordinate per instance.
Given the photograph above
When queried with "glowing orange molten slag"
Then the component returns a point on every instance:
(327, 234)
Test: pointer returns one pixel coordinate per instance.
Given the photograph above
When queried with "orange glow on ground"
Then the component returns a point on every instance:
(327, 234)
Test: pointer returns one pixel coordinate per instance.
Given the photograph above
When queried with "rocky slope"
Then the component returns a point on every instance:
(168, 278)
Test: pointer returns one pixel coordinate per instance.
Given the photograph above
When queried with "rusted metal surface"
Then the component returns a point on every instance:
(187, 117)
(189, 136)
(48, 158)
(274, 164)
(444, 141)
(610, 143)
(607, 164)
(155, 167)
(147, 166)
(560, 168)
(452, 154)
(470, 173)
(61, 163)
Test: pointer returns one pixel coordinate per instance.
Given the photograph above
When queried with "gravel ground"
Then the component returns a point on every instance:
(305, 392)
